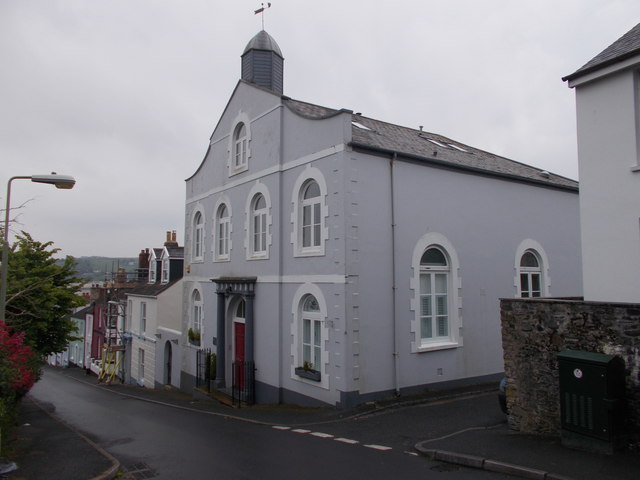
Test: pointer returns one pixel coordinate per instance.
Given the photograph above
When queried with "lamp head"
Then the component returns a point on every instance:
(60, 181)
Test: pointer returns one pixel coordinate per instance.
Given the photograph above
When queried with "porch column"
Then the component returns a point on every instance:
(220, 341)
(248, 328)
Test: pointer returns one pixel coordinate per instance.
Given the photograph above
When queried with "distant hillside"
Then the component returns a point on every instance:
(93, 269)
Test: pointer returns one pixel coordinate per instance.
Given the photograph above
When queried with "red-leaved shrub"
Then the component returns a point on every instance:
(18, 365)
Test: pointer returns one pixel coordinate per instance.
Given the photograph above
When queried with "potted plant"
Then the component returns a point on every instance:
(307, 371)
(194, 337)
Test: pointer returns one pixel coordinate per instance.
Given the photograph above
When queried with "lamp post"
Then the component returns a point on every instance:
(60, 181)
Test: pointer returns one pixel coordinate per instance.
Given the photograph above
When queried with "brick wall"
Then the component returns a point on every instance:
(535, 330)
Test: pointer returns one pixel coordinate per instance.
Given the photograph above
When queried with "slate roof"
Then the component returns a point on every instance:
(151, 289)
(430, 148)
(175, 252)
(626, 46)
(82, 312)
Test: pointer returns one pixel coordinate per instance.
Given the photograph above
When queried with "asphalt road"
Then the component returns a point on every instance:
(162, 442)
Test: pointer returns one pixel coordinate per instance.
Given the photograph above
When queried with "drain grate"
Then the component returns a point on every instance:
(139, 471)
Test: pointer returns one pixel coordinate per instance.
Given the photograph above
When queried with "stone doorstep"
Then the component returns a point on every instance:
(215, 394)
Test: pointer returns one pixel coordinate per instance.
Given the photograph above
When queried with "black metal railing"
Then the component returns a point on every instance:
(203, 368)
(243, 383)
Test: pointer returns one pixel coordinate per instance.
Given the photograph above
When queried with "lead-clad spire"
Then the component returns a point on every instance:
(263, 63)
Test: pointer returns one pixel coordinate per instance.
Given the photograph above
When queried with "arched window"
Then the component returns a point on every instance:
(530, 275)
(309, 233)
(310, 331)
(195, 330)
(258, 225)
(434, 296)
(311, 215)
(198, 236)
(311, 334)
(240, 147)
(223, 233)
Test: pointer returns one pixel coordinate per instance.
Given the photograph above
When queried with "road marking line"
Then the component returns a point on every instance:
(321, 435)
(378, 447)
(413, 454)
(300, 430)
(346, 440)
(280, 427)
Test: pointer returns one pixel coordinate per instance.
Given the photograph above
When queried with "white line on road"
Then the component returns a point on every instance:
(300, 430)
(281, 427)
(347, 440)
(378, 447)
(322, 435)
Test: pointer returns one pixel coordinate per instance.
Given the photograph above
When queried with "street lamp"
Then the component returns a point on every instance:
(60, 181)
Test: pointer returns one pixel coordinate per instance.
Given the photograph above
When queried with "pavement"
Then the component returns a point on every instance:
(44, 447)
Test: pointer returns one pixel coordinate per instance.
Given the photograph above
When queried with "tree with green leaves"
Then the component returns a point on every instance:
(41, 295)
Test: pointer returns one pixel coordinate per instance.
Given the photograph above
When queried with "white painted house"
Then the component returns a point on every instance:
(154, 320)
(608, 127)
(347, 258)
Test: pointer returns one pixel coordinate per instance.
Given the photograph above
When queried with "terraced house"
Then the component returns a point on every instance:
(340, 258)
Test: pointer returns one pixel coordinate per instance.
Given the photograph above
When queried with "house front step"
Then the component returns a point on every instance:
(221, 395)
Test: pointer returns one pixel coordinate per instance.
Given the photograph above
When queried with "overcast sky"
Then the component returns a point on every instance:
(124, 94)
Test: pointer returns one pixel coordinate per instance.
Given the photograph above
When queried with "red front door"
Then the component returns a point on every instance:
(238, 331)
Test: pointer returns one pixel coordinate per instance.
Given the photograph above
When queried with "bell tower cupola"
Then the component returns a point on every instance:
(263, 63)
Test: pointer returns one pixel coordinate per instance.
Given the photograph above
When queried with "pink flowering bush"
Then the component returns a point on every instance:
(19, 369)
(18, 365)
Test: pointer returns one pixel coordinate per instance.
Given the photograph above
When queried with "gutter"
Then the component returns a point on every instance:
(453, 166)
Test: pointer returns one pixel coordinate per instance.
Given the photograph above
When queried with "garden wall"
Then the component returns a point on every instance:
(535, 330)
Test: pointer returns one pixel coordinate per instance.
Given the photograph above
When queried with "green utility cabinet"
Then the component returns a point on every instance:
(591, 399)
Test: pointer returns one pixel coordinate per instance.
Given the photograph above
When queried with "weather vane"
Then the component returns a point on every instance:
(261, 10)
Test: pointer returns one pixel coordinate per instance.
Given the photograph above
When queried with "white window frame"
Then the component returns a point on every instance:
(419, 342)
(165, 270)
(141, 366)
(239, 146)
(533, 246)
(222, 243)
(196, 311)
(152, 269)
(298, 316)
(259, 226)
(129, 315)
(197, 245)
(311, 336)
(250, 215)
(310, 174)
(143, 318)
(436, 295)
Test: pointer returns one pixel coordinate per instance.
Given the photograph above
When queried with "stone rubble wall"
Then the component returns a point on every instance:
(535, 330)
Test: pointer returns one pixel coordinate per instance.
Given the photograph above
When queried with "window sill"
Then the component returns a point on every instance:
(435, 346)
(238, 170)
(258, 256)
(222, 260)
(310, 253)
(313, 375)
(635, 168)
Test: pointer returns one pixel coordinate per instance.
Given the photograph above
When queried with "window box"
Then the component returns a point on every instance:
(313, 375)
(194, 337)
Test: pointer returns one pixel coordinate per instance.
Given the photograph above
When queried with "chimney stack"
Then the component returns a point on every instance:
(171, 239)
(143, 259)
